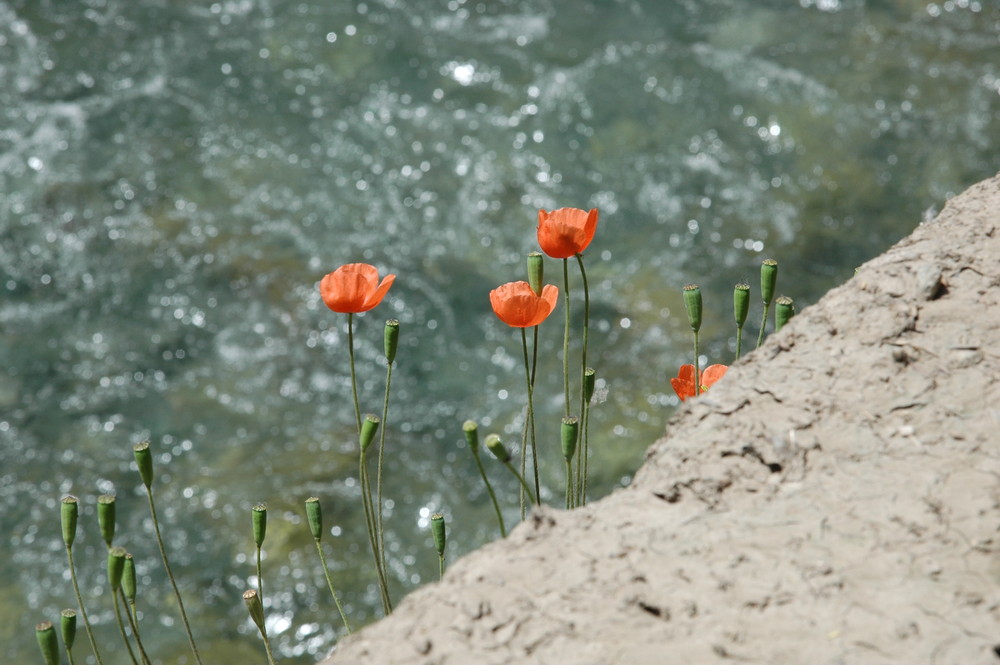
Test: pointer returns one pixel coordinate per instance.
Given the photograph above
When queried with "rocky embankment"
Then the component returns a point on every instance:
(835, 499)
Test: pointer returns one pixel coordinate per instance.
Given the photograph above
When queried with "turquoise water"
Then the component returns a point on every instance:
(176, 177)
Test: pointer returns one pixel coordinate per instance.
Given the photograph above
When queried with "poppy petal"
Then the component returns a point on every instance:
(376, 296)
(712, 374)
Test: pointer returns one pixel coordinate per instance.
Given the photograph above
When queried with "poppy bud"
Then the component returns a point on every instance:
(47, 642)
(569, 430)
(471, 430)
(128, 579)
(437, 531)
(106, 517)
(768, 279)
(368, 429)
(116, 567)
(144, 460)
(741, 303)
(314, 515)
(536, 272)
(69, 511)
(258, 515)
(784, 309)
(67, 625)
(589, 381)
(391, 339)
(495, 446)
(255, 608)
(692, 303)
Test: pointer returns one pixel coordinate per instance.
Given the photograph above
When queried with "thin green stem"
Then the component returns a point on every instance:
(354, 379)
(581, 466)
(531, 409)
(267, 647)
(524, 484)
(378, 476)
(440, 566)
(586, 449)
(83, 610)
(366, 499)
(566, 333)
(739, 341)
(697, 374)
(763, 324)
(489, 488)
(329, 583)
(170, 574)
(134, 625)
(260, 579)
(569, 485)
(121, 629)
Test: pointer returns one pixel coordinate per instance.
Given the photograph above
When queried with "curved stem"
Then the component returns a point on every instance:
(170, 574)
(489, 488)
(524, 484)
(366, 499)
(83, 610)
(329, 583)
(121, 629)
(354, 379)
(531, 409)
(379, 532)
(134, 625)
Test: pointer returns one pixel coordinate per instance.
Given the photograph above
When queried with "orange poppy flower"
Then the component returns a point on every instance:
(517, 305)
(683, 383)
(566, 232)
(354, 288)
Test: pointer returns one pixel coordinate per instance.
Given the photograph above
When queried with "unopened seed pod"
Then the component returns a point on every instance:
(67, 625)
(741, 303)
(768, 280)
(569, 431)
(437, 531)
(258, 515)
(47, 642)
(589, 382)
(314, 515)
(495, 446)
(784, 309)
(368, 428)
(536, 272)
(391, 339)
(255, 608)
(128, 579)
(106, 517)
(116, 567)
(69, 511)
(692, 304)
(471, 431)
(144, 460)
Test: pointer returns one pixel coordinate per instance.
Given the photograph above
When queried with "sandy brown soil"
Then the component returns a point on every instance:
(835, 499)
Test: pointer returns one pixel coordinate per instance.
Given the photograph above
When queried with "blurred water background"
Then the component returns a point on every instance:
(177, 175)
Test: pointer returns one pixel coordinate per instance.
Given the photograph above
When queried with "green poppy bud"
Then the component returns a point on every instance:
(258, 515)
(692, 303)
(536, 272)
(314, 515)
(116, 567)
(589, 382)
(495, 446)
(391, 339)
(69, 511)
(106, 517)
(368, 429)
(471, 430)
(67, 624)
(437, 531)
(128, 579)
(768, 279)
(256, 609)
(569, 431)
(741, 303)
(47, 642)
(784, 309)
(144, 460)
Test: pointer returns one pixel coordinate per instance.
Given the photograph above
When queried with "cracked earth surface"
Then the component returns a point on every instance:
(835, 499)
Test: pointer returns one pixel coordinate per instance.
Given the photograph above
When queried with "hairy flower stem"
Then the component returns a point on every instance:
(170, 574)
(329, 583)
(134, 625)
(566, 333)
(121, 630)
(83, 610)
(581, 463)
(354, 379)
(582, 481)
(763, 324)
(531, 409)
(472, 437)
(697, 374)
(739, 341)
(570, 489)
(524, 484)
(528, 421)
(366, 499)
(379, 531)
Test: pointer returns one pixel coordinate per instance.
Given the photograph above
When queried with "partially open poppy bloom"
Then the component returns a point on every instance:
(566, 232)
(354, 288)
(517, 305)
(683, 383)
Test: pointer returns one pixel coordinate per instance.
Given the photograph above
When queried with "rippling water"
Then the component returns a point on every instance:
(176, 176)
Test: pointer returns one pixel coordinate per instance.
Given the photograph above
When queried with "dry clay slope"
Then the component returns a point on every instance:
(836, 499)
